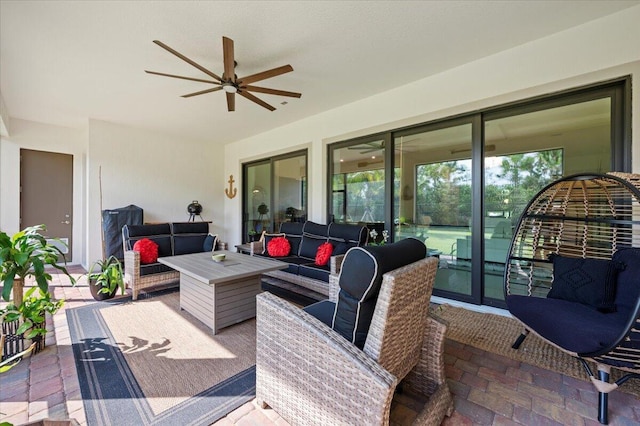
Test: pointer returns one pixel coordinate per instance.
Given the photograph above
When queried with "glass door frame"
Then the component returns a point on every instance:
(388, 160)
(476, 198)
(270, 161)
(618, 90)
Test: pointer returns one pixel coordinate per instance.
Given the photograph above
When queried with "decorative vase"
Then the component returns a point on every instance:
(99, 296)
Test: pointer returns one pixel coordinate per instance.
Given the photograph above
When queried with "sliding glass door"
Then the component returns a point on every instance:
(527, 150)
(433, 198)
(274, 191)
(358, 188)
(461, 184)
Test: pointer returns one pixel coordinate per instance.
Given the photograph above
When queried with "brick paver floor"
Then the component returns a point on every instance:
(488, 389)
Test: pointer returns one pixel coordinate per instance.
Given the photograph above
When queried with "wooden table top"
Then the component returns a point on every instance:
(203, 268)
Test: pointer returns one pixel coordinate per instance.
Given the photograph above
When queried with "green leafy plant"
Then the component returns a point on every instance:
(13, 360)
(32, 312)
(107, 275)
(26, 254)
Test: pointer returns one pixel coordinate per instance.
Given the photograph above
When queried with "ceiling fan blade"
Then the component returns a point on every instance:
(271, 91)
(187, 60)
(229, 68)
(256, 100)
(265, 74)
(202, 92)
(179, 76)
(366, 151)
(231, 101)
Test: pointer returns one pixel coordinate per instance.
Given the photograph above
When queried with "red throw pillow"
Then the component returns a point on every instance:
(324, 254)
(279, 247)
(148, 250)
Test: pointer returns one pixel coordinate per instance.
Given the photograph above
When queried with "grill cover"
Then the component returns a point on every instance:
(112, 223)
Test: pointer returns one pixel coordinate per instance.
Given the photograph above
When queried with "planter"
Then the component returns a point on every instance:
(99, 296)
(15, 343)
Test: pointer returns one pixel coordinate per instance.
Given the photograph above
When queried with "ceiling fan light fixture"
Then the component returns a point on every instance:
(229, 82)
(229, 88)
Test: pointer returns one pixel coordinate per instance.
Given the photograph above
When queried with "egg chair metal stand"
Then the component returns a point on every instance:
(585, 218)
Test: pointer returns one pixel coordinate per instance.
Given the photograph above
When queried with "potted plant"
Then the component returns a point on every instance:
(28, 319)
(23, 255)
(252, 235)
(105, 277)
(26, 254)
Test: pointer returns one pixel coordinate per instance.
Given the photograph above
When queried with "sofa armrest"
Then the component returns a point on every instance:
(428, 376)
(311, 375)
(131, 267)
(335, 263)
(256, 247)
(334, 287)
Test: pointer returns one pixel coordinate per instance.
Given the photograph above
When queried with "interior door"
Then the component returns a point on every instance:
(46, 194)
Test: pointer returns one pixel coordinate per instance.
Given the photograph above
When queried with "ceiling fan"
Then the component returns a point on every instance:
(368, 147)
(229, 82)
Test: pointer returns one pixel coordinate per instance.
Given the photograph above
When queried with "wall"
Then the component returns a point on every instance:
(163, 174)
(603, 49)
(42, 137)
(159, 173)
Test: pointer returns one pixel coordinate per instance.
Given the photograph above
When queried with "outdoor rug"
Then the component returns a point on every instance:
(496, 333)
(149, 363)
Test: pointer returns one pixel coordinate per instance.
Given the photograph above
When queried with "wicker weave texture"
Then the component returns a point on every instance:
(396, 332)
(318, 286)
(587, 217)
(310, 375)
(428, 376)
(581, 216)
(136, 282)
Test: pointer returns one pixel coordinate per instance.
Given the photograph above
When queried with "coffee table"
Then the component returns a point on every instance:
(220, 294)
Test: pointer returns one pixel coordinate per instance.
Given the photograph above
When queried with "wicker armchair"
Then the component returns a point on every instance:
(311, 374)
(558, 265)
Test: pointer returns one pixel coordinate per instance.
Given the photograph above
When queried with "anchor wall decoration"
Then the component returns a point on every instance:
(231, 191)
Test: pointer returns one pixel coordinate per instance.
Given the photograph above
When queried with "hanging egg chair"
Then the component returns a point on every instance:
(573, 273)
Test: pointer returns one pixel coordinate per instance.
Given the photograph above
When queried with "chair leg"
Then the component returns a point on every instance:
(603, 399)
(520, 339)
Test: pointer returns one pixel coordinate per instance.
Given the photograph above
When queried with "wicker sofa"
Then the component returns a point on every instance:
(310, 371)
(173, 239)
(305, 238)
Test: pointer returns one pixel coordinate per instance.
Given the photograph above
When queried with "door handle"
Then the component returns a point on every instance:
(66, 222)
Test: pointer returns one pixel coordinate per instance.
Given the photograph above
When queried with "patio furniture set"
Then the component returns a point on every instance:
(574, 256)
(381, 334)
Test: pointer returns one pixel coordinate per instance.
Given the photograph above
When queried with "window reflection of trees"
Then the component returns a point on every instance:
(444, 188)
(364, 196)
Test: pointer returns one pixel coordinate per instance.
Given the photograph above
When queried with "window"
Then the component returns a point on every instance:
(274, 191)
(460, 184)
(358, 183)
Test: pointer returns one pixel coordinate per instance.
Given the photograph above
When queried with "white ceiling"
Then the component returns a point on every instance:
(63, 62)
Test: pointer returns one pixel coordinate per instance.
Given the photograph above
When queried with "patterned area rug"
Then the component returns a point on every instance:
(149, 363)
(496, 333)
